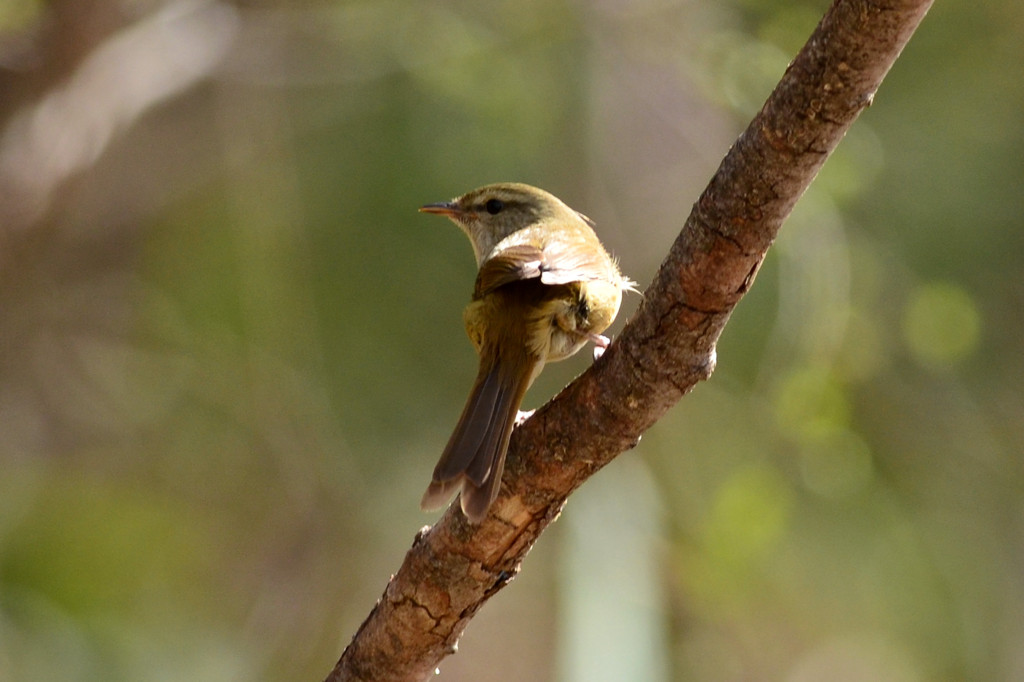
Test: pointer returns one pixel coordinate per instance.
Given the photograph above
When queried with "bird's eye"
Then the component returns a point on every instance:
(494, 206)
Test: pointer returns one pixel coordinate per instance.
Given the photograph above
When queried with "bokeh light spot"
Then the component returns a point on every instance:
(941, 324)
(750, 514)
(810, 403)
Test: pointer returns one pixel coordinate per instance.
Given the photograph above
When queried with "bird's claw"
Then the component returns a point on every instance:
(522, 416)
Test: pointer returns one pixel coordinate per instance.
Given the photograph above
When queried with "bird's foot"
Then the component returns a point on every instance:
(522, 416)
(600, 344)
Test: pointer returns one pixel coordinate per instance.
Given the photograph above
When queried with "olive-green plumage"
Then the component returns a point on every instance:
(545, 287)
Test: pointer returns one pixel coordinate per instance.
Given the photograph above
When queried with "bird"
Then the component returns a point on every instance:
(545, 287)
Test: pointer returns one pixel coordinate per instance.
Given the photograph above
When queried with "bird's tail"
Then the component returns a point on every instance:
(475, 455)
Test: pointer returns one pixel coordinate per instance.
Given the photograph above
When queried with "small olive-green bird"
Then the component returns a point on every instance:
(545, 287)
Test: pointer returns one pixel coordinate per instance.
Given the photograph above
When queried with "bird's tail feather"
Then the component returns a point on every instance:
(475, 455)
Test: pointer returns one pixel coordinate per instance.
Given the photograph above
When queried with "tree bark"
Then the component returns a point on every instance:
(453, 568)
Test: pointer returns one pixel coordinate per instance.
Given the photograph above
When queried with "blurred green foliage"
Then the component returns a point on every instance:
(231, 350)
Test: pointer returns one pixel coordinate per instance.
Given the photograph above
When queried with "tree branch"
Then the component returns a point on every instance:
(454, 567)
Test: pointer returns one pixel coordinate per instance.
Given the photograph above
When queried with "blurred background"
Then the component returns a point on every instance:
(231, 350)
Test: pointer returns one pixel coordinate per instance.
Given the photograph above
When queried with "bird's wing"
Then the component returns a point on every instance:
(559, 262)
(512, 264)
(574, 260)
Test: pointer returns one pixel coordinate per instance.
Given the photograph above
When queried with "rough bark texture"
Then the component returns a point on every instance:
(453, 567)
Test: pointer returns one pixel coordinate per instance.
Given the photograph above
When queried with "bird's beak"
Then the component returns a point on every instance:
(445, 208)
